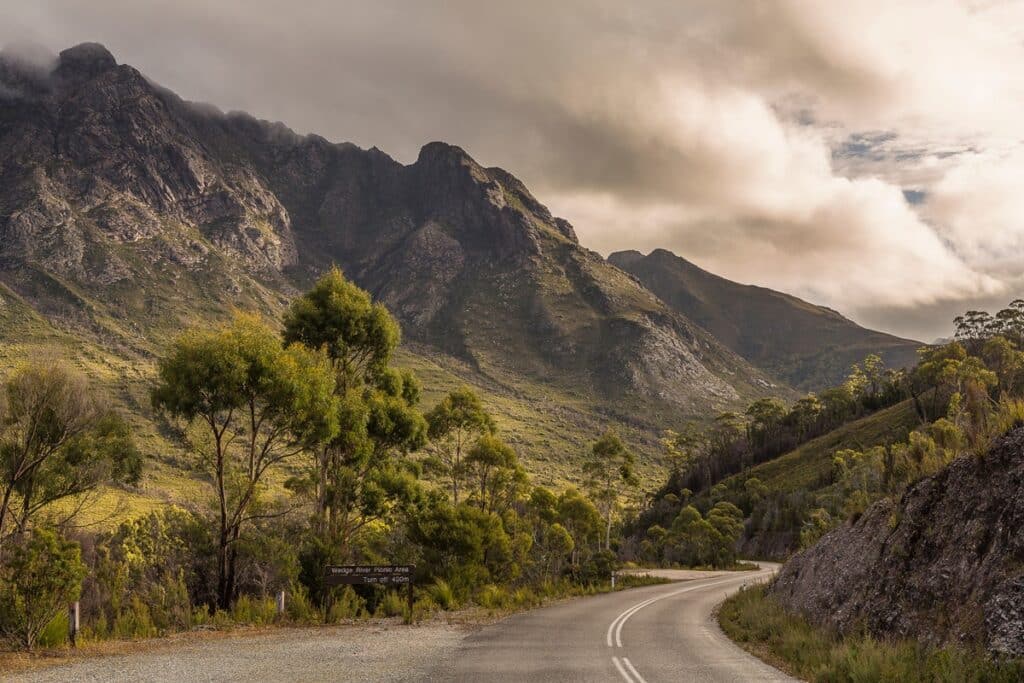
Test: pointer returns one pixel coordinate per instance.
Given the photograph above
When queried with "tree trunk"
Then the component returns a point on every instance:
(232, 564)
(223, 599)
(223, 538)
(3, 514)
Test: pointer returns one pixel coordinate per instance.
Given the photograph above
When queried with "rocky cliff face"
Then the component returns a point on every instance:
(126, 212)
(944, 564)
(95, 148)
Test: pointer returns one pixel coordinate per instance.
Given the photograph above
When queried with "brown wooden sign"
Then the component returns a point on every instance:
(373, 575)
(381, 575)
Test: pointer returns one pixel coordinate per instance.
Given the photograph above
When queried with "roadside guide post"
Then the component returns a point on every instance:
(280, 603)
(374, 575)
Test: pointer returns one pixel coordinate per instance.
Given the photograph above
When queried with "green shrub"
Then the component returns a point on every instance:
(42, 575)
(254, 611)
(391, 605)
(421, 609)
(149, 577)
(346, 605)
(1008, 415)
(493, 597)
(56, 632)
(134, 621)
(221, 619)
(523, 598)
(298, 606)
(442, 595)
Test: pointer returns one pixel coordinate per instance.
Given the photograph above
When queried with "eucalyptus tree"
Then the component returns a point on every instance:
(360, 475)
(57, 442)
(498, 478)
(455, 424)
(255, 404)
(608, 468)
(685, 449)
(766, 419)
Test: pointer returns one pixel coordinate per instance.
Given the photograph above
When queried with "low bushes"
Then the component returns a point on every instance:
(758, 623)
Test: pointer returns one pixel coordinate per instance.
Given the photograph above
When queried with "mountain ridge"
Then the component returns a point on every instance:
(805, 345)
(127, 214)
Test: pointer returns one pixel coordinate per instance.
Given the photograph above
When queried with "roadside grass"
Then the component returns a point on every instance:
(759, 624)
(738, 566)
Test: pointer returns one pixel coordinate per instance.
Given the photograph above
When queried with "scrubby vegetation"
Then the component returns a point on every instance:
(758, 623)
(315, 450)
(869, 438)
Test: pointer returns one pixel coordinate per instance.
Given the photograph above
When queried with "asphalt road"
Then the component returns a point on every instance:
(645, 635)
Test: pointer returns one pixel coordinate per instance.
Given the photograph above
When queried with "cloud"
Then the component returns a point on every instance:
(979, 208)
(772, 142)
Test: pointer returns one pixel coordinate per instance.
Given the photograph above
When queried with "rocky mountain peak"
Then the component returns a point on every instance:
(807, 346)
(438, 152)
(85, 60)
(624, 258)
(117, 186)
(451, 167)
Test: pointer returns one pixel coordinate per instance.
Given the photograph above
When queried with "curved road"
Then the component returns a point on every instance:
(645, 635)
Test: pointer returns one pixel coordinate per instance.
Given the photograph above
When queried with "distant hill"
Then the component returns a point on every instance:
(127, 214)
(809, 347)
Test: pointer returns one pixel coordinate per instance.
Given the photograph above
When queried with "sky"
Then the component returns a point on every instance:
(865, 155)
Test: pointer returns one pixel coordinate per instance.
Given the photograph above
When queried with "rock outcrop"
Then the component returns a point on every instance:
(945, 564)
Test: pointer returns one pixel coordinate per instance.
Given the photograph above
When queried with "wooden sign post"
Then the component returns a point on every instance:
(374, 575)
(73, 623)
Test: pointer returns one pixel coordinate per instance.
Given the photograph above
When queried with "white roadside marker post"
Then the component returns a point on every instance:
(280, 603)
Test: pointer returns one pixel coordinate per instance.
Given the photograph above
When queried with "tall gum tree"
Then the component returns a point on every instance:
(456, 423)
(362, 474)
(258, 402)
(609, 471)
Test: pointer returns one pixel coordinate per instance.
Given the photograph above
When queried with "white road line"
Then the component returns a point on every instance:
(615, 628)
(632, 670)
(624, 666)
(627, 615)
(622, 671)
(611, 626)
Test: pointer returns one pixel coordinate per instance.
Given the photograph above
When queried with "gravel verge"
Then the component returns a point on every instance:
(363, 652)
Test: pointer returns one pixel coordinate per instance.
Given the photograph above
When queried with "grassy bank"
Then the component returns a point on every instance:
(759, 624)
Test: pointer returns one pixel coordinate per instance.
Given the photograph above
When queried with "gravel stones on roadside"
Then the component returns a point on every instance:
(378, 653)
